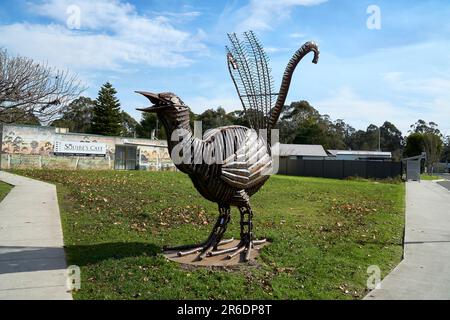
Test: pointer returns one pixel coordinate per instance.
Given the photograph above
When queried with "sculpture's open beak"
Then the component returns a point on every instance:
(158, 102)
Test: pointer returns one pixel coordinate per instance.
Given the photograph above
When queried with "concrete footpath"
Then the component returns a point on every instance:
(32, 258)
(425, 271)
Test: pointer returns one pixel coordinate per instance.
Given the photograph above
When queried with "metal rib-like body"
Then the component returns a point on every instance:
(241, 174)
(228, 165)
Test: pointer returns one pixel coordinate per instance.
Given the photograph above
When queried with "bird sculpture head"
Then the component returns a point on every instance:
(165, 102)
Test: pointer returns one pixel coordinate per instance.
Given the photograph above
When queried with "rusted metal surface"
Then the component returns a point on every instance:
(287, 76)
(229, 164)
(220, 259)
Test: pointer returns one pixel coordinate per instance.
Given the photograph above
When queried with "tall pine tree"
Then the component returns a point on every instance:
(107, 119)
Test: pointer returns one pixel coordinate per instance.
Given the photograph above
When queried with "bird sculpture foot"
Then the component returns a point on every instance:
(213, 241)
(211, 251)
(246, 246)
(202, 248)
(209, 248)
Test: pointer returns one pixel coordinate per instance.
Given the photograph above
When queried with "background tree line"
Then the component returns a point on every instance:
(300, 123)
(33, 93)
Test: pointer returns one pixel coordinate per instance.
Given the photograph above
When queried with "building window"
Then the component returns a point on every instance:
(125, 158)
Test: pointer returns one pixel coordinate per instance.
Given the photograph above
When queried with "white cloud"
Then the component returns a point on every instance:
(100, 14)
(434, 86)
(179, 16)
(262, 14)
(112, 34)
(200, 103)
(398, 84)
(297, 35)
(431, 96)
(274, 49)
(359, 112)
(346, 104)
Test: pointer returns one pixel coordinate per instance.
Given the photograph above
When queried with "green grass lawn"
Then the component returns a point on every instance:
(324, 234)
(425, 176)
(4, 189)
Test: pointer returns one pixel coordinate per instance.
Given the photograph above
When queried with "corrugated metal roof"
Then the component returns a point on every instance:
(333, 152)
(309, 150)
(360, 153)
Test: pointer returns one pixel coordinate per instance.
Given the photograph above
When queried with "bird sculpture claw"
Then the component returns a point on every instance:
(208, 251)
(209, 248)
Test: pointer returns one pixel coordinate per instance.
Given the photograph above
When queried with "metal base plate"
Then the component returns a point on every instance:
(217, 261)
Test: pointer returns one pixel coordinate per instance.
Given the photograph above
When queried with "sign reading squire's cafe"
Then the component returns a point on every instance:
(80, 147)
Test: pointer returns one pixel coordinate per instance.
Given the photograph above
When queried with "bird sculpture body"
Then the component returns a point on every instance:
(229, 164)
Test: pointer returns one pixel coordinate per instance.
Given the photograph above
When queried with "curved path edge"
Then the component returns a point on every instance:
(423, 274)
(32, 258)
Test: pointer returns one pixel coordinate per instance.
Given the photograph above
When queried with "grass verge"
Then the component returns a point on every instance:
(324, 233)
(425, 176)
(4, 190)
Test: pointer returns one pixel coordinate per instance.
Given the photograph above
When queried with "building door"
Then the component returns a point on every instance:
(125, 158)
(413, 170)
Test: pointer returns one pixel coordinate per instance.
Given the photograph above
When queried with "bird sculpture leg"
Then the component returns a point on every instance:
(214, 240)
(246, 244)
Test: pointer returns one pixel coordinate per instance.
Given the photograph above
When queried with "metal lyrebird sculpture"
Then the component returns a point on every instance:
(241, 158)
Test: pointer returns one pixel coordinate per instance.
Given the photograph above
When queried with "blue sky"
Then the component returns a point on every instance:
(400, 72)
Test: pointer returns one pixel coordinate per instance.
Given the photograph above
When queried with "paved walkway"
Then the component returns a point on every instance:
(445, 184)
(32, 259)
(425, 271)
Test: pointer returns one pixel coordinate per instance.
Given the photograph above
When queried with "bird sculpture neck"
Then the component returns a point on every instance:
(179, 134)
(287, 77)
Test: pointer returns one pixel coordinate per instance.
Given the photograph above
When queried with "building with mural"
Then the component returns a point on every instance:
(39, 147)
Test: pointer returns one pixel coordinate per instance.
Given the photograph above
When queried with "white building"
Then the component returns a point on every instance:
(301, 151)
(359, 155)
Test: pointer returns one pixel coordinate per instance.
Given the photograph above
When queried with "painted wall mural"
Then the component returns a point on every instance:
(22, 142)
(153, 155)
(16, 143)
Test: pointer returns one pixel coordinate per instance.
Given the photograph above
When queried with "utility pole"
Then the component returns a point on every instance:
(379, 138)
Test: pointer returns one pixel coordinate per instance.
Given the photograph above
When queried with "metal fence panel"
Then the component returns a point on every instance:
(313, 168)
(282, 166)
(333, 169)
(354, 168)
(294, 167)
(377, 171)
(339, 169)
(396, 169)
(413, 170)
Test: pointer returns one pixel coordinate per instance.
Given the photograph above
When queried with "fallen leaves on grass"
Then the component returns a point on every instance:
(313, 225)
